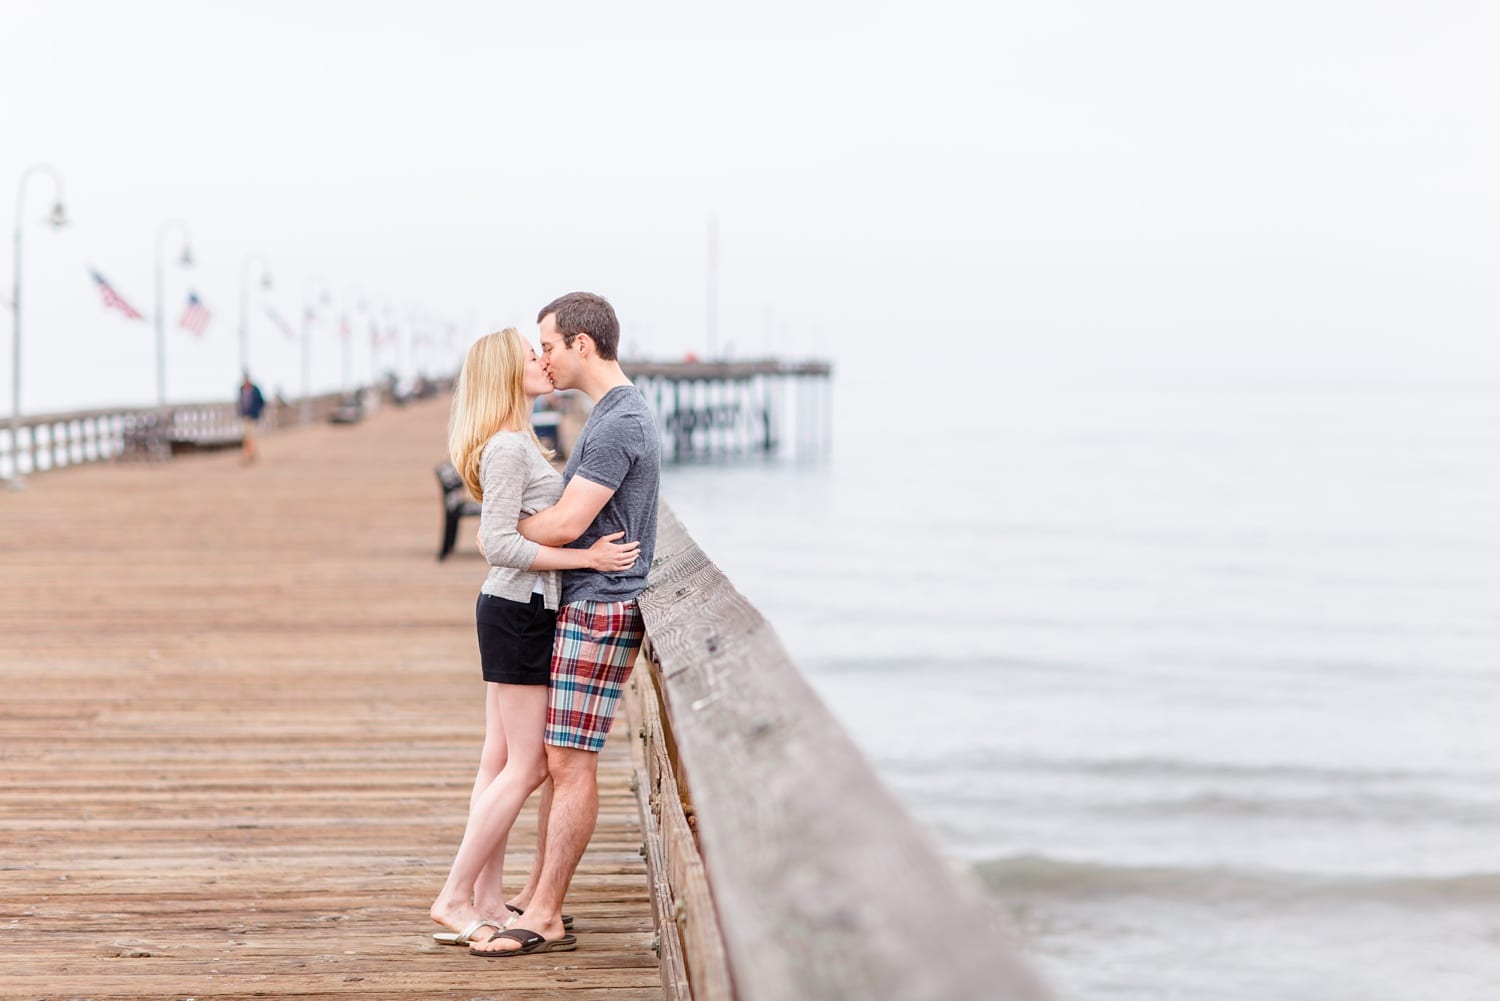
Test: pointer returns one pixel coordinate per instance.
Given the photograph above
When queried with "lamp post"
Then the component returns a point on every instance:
(421, 323)
(378, 336)
(265, 285)
(355, 295)
(307, 315)
(711, 284)
(185, 261)
(57, 219)
(450, 337)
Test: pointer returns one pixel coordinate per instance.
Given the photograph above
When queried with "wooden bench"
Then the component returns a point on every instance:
(145, 437)
(456, 504)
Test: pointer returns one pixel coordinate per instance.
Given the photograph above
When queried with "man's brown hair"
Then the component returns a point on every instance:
(585, 313)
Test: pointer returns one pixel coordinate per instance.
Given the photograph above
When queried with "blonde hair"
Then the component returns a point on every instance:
(490, 396)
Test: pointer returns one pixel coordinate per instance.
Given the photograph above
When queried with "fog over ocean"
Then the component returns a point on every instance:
(1201, 676)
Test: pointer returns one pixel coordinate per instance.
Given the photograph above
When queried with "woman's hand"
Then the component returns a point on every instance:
(609, 556)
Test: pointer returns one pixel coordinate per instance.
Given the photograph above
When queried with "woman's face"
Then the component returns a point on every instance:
(537, 382)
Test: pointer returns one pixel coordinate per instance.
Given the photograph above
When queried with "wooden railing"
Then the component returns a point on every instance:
(51, 441)
(782, 868)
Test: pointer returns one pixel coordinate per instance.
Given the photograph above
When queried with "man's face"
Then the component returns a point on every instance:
(559, 361)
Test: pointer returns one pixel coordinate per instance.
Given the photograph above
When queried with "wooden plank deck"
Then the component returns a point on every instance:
(239, 714)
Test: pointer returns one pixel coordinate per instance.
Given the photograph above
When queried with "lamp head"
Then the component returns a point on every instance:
(187, 256)
(58, 218)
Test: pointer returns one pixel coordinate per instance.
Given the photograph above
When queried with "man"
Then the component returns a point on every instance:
(611, 477)
(251, 404)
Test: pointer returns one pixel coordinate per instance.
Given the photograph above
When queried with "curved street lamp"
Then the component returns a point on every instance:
(420, 324)
(56, 219)
(307, 313)
(377, 339)
(265, 286)
(356, 295)
(185, 261)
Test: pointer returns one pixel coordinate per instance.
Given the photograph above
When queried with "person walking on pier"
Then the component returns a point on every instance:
(495, 450)
(251, 405)
(612, 479)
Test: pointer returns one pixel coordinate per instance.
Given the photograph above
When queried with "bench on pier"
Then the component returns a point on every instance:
(207, 442)
(351, 410)
(145, 437)
(156, 436)
(456, 504)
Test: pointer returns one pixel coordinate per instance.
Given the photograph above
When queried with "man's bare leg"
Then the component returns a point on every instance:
(543, 810)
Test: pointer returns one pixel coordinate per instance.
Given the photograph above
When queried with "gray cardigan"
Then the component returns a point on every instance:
(517, 482)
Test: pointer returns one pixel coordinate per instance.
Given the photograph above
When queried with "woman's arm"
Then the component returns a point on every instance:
(503, 474)
(606, 555)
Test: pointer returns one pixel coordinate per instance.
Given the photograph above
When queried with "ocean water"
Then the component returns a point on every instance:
(1203, 678)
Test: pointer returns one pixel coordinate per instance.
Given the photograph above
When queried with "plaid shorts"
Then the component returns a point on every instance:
(592, 654)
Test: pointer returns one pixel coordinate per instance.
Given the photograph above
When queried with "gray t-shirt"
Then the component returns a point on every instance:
(618, 448)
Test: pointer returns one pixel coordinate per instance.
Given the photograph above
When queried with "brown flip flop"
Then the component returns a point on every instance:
(530, 942)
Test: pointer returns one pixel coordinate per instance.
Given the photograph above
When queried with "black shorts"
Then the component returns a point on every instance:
(515, 639)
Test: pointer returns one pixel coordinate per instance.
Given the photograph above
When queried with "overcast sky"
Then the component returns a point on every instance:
(1268, 187)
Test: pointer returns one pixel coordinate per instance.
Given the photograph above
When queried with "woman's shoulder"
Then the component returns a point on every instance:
(512, 447)
(507, 441)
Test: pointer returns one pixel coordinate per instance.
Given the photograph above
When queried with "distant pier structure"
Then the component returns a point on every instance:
(722, 409)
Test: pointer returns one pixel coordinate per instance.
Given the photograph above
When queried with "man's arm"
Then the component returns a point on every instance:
(574, 512)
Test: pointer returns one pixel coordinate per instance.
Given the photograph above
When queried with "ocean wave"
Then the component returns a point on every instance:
(988, 760)
(1035, 876)
(929, 664)
(1362, 806)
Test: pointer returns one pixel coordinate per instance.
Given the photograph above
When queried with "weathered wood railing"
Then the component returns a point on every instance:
(51, 441)
(812, 883)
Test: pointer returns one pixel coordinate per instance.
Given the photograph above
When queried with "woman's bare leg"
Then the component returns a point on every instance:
(491, 760)
(522, 710)
(492, 755)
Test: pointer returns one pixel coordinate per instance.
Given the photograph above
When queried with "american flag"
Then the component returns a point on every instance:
(112, 299)
(344, 329)
(281, 324)
(196, 316)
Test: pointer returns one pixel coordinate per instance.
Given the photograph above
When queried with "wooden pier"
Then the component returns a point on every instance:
(240, 720)
(719, 409)
(241, 716)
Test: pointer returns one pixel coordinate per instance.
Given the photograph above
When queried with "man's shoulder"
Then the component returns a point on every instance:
(626, 411)
(623, 399)
(631, 431)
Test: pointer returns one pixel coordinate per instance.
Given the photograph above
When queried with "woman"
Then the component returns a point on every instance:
(493, 446)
